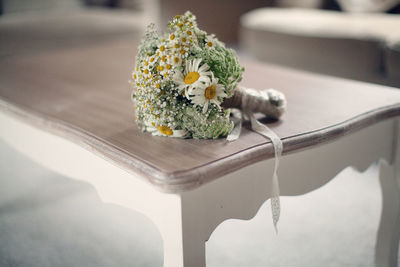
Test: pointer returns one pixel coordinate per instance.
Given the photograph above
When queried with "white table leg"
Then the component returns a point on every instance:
(386, 251)
(184, 243)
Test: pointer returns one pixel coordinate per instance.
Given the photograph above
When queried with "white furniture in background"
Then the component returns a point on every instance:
(360, 46)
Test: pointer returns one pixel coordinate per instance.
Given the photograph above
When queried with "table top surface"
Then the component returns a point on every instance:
(82, 94)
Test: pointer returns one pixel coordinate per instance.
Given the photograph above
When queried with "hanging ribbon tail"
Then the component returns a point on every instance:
(237, 125)
(278, 148)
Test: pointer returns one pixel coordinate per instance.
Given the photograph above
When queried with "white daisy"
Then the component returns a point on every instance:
(162, 130)
(211, 93)
(184, 39)
(210, 41)
(193, 76)
(152, 60)
(176, 60)
(162, 50)
(175, 47)
(183, 51)
(172, 37)
(146, 71)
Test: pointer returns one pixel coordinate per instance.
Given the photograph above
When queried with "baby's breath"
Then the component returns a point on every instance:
(180, 80)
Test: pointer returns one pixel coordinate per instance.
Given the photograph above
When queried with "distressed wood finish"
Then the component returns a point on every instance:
(82, 93)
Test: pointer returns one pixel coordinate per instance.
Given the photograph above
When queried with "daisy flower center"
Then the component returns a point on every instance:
(210, 92)
(191, 77)
(165, 130)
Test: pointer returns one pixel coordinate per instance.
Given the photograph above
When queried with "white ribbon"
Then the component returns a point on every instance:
(248, 103)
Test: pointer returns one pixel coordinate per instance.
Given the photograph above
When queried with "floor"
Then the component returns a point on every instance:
(50, 220)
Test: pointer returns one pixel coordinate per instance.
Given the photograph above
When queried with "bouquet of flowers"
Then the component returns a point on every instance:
(185, 81)
(181, 79)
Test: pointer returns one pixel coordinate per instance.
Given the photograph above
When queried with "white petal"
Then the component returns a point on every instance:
(215, 101)
(204, 79)
(188, 93)
(204, 67)
(198, 100)
(196, 63)
(205, 107)
(178, 76)
(179, 133)
(221, 94)
(187, 67)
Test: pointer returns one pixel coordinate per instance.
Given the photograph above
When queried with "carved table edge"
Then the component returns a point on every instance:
(185, 180)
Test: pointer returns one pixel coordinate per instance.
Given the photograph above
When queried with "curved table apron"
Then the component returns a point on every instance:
(70, 111)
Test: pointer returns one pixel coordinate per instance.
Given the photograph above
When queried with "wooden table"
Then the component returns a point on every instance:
(69, 109)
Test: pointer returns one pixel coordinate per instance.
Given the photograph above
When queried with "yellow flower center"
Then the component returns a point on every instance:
(183, 52)
(168, 66)
(165, 130)
(209, 43)
(184, 39)
(176, 45)
(172, 37)
(152, 59)
(210, 92)
(191, 77)
(189, 32)
(158, 85)
(164, 58)
(146, 71)
(176, 60)
(180, 24)
(160, 68)
(162, 48)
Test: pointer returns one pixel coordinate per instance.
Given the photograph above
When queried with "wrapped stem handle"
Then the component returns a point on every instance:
(269, 102)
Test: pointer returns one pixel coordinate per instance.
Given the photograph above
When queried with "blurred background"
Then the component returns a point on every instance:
(356, 39)
(49, 220)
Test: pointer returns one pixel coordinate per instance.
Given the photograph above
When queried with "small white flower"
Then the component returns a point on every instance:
(211, 93)
(194, 76)
(183, 51)
(172, 37)
(162, 130)
(146, 71)
(152, 60)
(176, 60)
(175, 48)
(162, 50)
(210, 41)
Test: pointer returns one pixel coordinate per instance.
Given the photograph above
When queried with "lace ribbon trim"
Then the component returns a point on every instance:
(249, 102)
